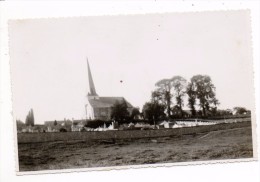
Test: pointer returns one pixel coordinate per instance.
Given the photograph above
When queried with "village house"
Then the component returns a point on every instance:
(57, 126)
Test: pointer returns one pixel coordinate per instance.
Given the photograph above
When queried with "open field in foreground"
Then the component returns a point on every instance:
(215, 145)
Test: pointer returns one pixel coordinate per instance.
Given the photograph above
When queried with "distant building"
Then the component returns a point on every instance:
(100, 107)
(31, 129)
(60, 125)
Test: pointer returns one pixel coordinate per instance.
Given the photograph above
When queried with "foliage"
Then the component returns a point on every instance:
(205, 92)
(167, 89)
(191, 92)
(97, 123)
(119, 111)
(135, 113)
(29, 121)
(19, 122)
(153, 111)
(179, 86)
(19, 125)
(157, 96)
(163, 92)
(226, 112)
(176, 112)
(63, 130)
(240, 110)
(200, 91)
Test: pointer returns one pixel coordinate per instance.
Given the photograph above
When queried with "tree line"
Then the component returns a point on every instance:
(167, 100)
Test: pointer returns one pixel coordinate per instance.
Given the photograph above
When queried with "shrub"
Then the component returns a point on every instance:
(63, 130)
(97, 123)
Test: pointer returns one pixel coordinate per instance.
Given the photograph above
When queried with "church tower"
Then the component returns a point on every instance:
(100, 107)
(92, 94)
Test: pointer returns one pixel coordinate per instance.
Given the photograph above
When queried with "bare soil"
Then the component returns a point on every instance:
(215, 145)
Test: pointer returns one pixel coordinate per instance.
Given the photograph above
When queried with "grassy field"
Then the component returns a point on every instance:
(224, 144)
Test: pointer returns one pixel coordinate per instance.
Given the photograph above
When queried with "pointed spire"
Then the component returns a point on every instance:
(91, 82)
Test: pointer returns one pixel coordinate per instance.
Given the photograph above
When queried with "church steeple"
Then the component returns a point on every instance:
(91, 83)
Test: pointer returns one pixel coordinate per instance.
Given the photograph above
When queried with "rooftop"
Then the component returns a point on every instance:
(107, 102)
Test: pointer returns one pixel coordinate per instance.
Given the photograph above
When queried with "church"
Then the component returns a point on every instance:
(98, 107)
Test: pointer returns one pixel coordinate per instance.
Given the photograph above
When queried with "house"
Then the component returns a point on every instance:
(99, 108)
(57, 126)
(32, 129)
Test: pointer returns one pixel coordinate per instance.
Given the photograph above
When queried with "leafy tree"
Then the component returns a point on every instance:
(135, 112)
(157, 97)
(119, 111)
(191, 92)
(19, 125)
(179, 85)
(29, 121)
(213, 111)
(153, 111)
(176, 111)
(164, 87)
(205, 92)
(240, 110)
(19, 122)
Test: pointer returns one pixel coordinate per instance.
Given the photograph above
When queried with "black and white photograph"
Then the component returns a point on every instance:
(97, 92)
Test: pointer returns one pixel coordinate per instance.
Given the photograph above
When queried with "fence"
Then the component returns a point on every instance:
(128, 134)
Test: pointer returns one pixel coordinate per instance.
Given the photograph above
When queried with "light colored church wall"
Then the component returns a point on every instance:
(89, 111)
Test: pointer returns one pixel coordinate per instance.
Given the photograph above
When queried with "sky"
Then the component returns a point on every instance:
(49, 67)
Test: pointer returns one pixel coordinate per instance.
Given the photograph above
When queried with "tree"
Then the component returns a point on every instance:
(240, 110)
(19, 125)
(179, 85)
(135, 112)
(157, 97)
(177, 112)
(164, 87)
(19, 122)
(29, 121)
(119, 111)
(205, 92)
(153, 111)
(191, 92)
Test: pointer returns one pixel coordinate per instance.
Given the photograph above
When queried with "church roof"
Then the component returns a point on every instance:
(107, 102)
(91, 82)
